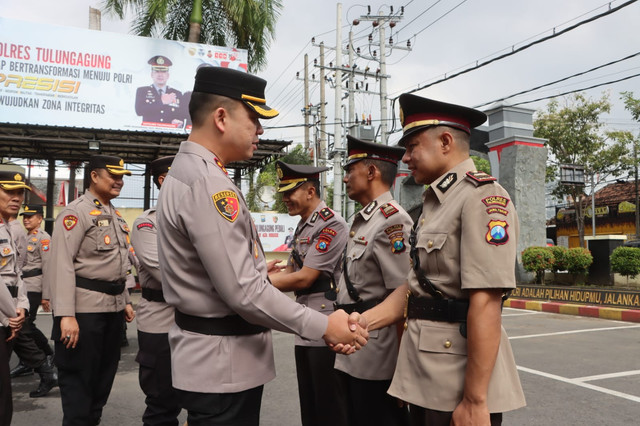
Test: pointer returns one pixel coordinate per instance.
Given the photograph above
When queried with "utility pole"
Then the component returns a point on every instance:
(306, 102)
(323, 132)
(338, 145)
(383, 88)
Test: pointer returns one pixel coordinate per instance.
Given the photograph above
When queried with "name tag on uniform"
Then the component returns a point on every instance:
(103, 220)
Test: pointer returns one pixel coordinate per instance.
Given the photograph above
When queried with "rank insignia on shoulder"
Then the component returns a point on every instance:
(95, 212)
(388, 209)
(326, 214)
(227, 204)
(497, 234)
(118, 213)
(480, 178)
(219, 164)
(144, 225)
(446, 182)
(69, 222)
(370, 207)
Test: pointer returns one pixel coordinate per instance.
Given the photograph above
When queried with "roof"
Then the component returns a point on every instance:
(72, 144)
(615, 193)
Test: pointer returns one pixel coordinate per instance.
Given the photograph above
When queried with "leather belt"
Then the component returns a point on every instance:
(232, 325)
(447, 310)
(320, 285)
(153, 295)
(31, 273)
(108, 287)
(359, 307)
(13, 289)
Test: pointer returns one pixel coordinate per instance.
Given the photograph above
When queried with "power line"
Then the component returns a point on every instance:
(520, 49)
(559, 80)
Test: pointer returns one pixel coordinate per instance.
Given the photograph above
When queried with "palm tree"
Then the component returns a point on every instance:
(245, 24)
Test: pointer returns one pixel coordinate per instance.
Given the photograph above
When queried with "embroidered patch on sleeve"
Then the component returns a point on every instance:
(397, 243)
(329, 231)
(495, 200)
(323, 243)
(227, 204)
(497, 210)
(144, 225)
(393, 228)
(497, 234)
(69, 222)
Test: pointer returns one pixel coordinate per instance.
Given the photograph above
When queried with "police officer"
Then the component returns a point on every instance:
(215, 276)
(154, 316)
(312, 272)
(37, 255)
(87, 275)
(9, 326)
(12, 187)
(376, 262)
(455, 364)
(159, 103)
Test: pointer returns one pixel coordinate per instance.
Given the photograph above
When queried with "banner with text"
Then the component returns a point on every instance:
(71, 77)
(275, 230)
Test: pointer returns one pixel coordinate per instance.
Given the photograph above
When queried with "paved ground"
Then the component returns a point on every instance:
(574, 370)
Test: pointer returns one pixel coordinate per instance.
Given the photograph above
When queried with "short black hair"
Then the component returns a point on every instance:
(202, 104)
(387, 170)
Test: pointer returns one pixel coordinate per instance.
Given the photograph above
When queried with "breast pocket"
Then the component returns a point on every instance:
(430, 247)
(6, 257)
(106, 239)
(354, 263)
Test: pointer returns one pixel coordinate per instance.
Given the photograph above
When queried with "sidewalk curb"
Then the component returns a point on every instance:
(631, 315)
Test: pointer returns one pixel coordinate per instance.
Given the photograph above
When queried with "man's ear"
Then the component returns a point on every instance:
(446, 142)
(219, 117)
(371, 171)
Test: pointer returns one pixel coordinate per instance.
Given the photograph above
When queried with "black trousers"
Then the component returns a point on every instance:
(222, 409)
(35, 298)
(370, 404)
(322, 394)
(26, 348)
(154, 357)
(6, 403)
(425, 417)
(86, 373)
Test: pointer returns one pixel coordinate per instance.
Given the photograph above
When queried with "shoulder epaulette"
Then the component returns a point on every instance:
(480, 178)
(388, 210)
(326, 214)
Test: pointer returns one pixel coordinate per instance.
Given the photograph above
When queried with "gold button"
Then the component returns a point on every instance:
(322, 307)
(430, 243)
(422, 221)
(337, 290)
(352, 234)
(447, 344)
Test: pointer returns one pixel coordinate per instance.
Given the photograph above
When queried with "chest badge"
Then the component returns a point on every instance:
(107, 239)
(69, 222)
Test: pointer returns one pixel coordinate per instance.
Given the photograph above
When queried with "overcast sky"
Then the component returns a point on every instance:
(451, 35)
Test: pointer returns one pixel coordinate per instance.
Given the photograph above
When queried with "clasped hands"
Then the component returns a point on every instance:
(346, 333)
(15, 323)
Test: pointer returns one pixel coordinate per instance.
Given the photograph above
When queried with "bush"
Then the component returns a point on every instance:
(626, 261)
(578, 260)
(560, 258)
(537, 259)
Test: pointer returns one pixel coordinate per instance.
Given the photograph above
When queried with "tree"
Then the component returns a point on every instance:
(632, 105)
(245, 24)
(575, 136)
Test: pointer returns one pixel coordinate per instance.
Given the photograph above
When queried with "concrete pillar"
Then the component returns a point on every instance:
(519, 160)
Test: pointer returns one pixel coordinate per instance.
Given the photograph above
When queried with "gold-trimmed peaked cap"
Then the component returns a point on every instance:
(160, 63)
(32, 209)
(242, 86)
(417, 113)
(159, 166)
(12, 179)
(358, 149)
(113, 164)
(291, 176)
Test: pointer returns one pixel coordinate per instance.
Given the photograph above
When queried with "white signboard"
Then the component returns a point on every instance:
(71, 77)
(275, 230)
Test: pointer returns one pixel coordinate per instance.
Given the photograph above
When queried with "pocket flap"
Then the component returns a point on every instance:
(430, 241)
(444, 338)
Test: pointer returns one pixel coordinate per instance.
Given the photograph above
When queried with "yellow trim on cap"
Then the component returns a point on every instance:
(420, 123)
(265, 113)
(290, 184)
(10, 185)
(254, 99)
(28, 210)
(361, 155)
(118, 170)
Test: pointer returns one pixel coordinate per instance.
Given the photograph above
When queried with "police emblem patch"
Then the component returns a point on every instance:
(107, 239)
(497, 234)
(397, 245)
(323, 244)
(69, 222)
(227, 204)
(6, 251)
(95, 212)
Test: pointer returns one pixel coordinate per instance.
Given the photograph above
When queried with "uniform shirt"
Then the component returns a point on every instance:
(7, 305)
(466, 240)
(320, 241)
(149, 105)
(10, 274)
(213, 265)
(20, 239)
(377, 258)
(90, 240)
(38, 249)
(151, 317)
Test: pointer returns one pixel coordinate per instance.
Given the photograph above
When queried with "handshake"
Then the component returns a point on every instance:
(346, 333)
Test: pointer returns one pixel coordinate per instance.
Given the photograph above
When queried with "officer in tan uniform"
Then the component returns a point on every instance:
(154, 316)
(12, 187)
(312, 273)
(215, 276)
(87, 275)
(9, 327)
(376, 262)
(37, 255)
(455, 364)
(159, 103)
